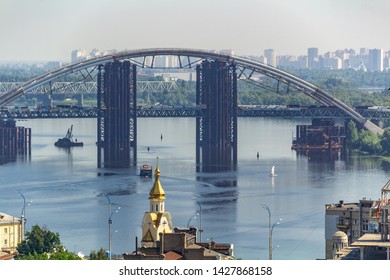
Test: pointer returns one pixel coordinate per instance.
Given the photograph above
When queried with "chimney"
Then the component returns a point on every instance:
(136, 246)
(161, 243)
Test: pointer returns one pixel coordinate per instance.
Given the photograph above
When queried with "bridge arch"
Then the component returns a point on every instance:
(190, 58)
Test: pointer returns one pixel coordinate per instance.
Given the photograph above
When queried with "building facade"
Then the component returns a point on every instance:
(10, 233)
(375, 60)
(270, 56)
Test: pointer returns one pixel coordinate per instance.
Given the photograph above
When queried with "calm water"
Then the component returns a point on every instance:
(64, 186)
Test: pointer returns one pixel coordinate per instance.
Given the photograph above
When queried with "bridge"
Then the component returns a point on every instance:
(190, 58)
(216, 108)
(84, 87)
(270, 111)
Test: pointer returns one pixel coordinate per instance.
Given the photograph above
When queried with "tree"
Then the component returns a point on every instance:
(42, 244)
(38, 241)
(54, 256)
(98, 255)
(369, 142)
(385, 141)
(352, 134)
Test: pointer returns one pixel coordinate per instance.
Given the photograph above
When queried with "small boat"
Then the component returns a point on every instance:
(145, 171)
(68, 141)
(273, 174)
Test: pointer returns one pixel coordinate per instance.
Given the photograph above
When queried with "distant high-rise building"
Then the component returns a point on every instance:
(95, 53)
(270, 55)
(375, 60)
(312, 58)
(363, 51)
(302, 61)
(78, 55)
(386, 63)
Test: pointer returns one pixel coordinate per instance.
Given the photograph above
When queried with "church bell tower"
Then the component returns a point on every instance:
(156, 221)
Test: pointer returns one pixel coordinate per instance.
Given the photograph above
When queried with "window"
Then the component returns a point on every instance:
(5, 230)
(156, 207)
(5, 242)
(365, 225)
(343, 222)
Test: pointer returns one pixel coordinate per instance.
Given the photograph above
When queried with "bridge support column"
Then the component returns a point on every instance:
(117, 121)
(216, 129)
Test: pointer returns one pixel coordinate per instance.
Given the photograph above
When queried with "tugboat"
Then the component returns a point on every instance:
(145, 170)
(68, 141)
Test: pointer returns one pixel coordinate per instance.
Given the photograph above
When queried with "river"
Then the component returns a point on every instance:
(64, 188)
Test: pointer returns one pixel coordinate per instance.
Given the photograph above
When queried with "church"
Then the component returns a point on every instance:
(162, 241)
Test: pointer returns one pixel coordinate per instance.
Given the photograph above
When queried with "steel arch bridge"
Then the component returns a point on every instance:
(189, 58)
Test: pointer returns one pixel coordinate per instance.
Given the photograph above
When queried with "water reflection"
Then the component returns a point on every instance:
(218, 196)
(6, 159)
(329, 156)
(367, 163)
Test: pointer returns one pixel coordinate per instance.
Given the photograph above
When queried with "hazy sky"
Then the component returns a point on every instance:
(51, 29)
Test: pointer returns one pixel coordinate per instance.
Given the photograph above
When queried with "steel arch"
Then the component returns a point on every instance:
(245, 67)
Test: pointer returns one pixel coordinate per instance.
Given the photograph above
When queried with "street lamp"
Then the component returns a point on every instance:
(270, 229)
(200, 221)
(23, 215)
(110, 214)
(190, 219)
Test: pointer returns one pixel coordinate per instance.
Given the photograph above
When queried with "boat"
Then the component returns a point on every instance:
(273, 174)
(68, 141)
(146, 171)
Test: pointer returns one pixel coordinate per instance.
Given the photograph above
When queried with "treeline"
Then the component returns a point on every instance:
(366, 141)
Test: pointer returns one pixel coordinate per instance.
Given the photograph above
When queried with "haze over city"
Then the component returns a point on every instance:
(49, 30)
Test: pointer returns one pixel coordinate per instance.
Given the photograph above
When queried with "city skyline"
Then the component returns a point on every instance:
(49, 30)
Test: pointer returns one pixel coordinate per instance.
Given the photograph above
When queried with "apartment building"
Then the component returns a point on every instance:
(365, 225)
(10, 233)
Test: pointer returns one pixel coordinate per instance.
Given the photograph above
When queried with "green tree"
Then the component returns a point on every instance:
(98, 255)
(385, 141)
(352, 134)
(38, 241)
(65, 255)
(369, 142)
(42, 244)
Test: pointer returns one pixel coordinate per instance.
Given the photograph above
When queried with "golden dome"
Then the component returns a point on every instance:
(157, 191)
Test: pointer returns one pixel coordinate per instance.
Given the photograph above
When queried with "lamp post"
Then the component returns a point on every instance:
(270, 230)
(200, 221)
(110, 214)
(190, 219)
(23, 216)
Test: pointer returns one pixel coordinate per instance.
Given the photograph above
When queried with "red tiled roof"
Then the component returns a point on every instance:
(6, 257)
(172, 256)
